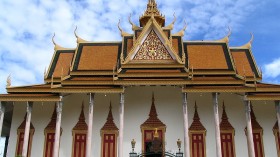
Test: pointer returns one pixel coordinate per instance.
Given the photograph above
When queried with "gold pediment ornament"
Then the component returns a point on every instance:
(152, 49)
(152, 45)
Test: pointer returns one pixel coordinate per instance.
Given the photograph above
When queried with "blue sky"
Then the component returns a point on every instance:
(27, 26)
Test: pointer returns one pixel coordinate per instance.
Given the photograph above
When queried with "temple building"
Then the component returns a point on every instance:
(151, 94)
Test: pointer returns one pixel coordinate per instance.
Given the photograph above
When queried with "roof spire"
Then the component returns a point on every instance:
(81, 124)
(196, 116)
(153, 111)
(152, 11)
(196, 124)
(110, 124)
(153, 120)
(225, 124)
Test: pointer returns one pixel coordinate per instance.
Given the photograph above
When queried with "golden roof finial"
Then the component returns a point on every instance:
(79, 40)
(53, 39)
(196, 124)
(123, 33)
(171, 25)
(134, 27)
(45, 72)
(9, 81)
(56, 46)
(249, 44)
(152, 11)
(226, 38)
(110, 124)
(182, 32)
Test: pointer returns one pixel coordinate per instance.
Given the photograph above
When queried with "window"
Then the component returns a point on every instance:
(50, 135)
(227, 136)
(20, 138)
(197, 145)
(109, 134)
(109, 145)
(227, 144)
(49, 144)
(80, 141)
(197, 133)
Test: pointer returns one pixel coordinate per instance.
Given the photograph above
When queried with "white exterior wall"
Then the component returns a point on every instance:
(168, 101)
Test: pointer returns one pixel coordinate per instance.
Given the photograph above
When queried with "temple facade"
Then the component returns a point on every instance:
(151, 94)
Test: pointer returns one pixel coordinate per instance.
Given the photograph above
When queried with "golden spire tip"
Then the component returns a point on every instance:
(75, 31)
(53, 39)
(9, 81)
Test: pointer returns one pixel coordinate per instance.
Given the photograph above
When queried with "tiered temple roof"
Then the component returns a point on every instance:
(81, 124)
(110, 124)
(153, 121)
(22, 125)
(196, 124)
(225, 124)
(151, 55)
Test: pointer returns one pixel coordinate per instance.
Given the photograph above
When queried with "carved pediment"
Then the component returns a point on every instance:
(152, 49)
(153, 46)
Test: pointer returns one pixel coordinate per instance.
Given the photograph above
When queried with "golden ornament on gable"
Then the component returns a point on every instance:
(152, 49)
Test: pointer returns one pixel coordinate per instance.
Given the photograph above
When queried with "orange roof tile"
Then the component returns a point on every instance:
(153, 71)
(63, 63)
(81, 124)
(225, 124)
(153, 120)
(98, 57)
(196, 124)
(129, 45)
(242, 63)
(215, 78)
(175, 45)
(92, 79)
(110, 124)
(207, 57)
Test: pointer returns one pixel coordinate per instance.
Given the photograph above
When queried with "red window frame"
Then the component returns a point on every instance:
(109, 139)
(20, 143)
(258, 141)
(198, 139)
(80, 140)
(50, 138)
(227, 145)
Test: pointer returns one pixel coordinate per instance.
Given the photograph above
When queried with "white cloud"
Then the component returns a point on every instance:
(272, 70)
(26, 27)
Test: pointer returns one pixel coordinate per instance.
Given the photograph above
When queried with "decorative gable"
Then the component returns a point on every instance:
(152, 46)
(152, 49)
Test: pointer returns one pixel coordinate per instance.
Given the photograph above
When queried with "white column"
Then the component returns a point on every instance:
(120, 151)
(27, 129)
(57, 128)
(277, 107)
(186, 126)
(90, 118)
(2, 112)
(249, 129)
(217, 124)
